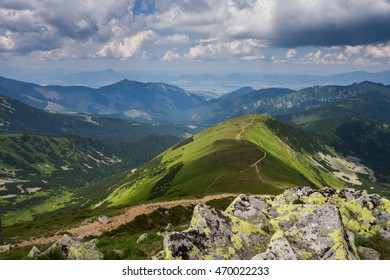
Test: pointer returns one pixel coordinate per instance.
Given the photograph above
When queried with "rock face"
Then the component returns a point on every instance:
(301, 223)
(70, 248)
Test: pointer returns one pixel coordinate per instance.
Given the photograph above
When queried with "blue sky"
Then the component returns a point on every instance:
(203, 36)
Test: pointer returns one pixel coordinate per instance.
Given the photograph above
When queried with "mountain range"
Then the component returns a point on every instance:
(211, 85)
(153, 102)
(81, 159)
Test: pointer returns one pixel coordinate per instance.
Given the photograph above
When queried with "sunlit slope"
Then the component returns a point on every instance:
(252, 153)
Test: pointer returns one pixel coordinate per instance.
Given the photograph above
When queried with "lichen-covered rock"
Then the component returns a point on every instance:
(301, 223)
(284, 216)
(71, 248)
(316, 235)
(306, 195)
(368, 253)
(103, 219)
(215, 235)
(367, 215)
(34, 252)
(251, 209)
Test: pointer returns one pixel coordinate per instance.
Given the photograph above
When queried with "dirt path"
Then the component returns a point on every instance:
(238, 136)
(95, 228)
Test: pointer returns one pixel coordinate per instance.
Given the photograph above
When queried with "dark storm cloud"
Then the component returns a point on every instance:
(330, 23)
(367, 31)
(283, 23)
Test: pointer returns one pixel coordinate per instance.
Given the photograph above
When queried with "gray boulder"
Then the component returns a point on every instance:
(34, 252)
(251, 209)
(318, 235)
(368, 253)
(215, 235)
(103, 219)
(71, 248)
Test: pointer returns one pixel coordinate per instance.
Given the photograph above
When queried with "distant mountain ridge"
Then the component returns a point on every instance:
(152, 102)
(216, 84)
(163, 103)
(280, 101)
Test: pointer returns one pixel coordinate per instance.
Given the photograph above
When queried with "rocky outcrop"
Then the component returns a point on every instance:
(301, 223)
(70, 248)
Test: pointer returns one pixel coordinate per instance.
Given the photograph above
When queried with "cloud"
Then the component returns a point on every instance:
(214, 49)
(170, 56)
(42, 25)
(127, 47)
(372, 50)
(291, 53)
(177, 39)
(281, 23)
(341, 30)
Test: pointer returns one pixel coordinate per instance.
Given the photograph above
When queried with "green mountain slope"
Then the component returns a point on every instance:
(253, 153)
(357, 126)
(17, 117)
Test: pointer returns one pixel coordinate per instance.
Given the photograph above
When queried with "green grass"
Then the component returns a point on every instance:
(377, 243)
(214, 161)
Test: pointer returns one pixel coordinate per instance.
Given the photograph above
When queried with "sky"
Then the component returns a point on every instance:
(304, 36)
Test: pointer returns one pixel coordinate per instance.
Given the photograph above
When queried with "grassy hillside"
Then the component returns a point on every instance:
(253, 153)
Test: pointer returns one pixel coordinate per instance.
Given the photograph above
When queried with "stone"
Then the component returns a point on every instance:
(367, 215)
(368, 253)
(251, 209)
(34, 252)
(299, 224)
(316, 234)
(71, 248)
(103, 219)
(6, 248)
(159, 256)
(142, 238)
(169, 227)
(215, 235)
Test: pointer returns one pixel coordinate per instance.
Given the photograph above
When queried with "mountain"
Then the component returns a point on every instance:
(52, 162)
(152, 102)
(371, 102)
(357, 126)
(212, 85)
(252, 153)
(17, 117)
(236, 103)
(279, 101)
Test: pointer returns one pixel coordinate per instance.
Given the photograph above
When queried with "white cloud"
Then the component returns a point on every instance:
(127, 47)
(177, 39)
(291, 53)
(352, 50)
(372, 50)
(6, 41)
(170, 56)
(215, 49)
(378, 51)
